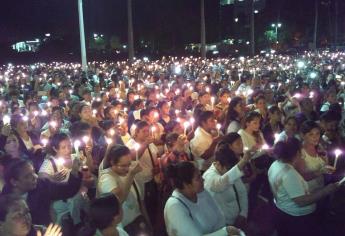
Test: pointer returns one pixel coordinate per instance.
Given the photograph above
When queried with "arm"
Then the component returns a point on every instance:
(243, 198)
(59, 191)
(314, 197)
(220, 183)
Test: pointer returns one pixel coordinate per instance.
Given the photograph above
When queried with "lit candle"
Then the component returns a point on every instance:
(185, 124)
(218, 128)
(112, 132)
(6, 119)
(153, 129)
(53, 124)
(191, 121)
(265, 147)
(76, 146)
(35, 113)
(337, 153)
(85, 139)
(94, 112)
(60, 161)
(276, 137)
(44, 141)
(108, 140)
(212, 102)
(136, 148)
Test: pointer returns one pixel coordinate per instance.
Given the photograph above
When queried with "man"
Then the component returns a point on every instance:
(205, 140)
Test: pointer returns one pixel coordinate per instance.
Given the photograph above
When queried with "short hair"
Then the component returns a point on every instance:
(181, 173)
(287, 150)
(6, 202)
(308, 125)
(204, 116)
(103, 210)
(115, 153)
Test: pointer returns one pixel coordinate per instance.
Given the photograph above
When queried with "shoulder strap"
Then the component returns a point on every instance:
(185, 205)
(151, 157)
(53, 164)
(137, 193)
(237, 198)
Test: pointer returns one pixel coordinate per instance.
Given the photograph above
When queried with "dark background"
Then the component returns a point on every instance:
(165, 26)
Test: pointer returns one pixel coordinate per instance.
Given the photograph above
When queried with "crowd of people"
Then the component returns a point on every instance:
(178, 146)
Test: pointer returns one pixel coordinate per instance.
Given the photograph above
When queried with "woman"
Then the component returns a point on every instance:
(164, 110)
(294, 202)
(106, 215)
(21, 180)
(251, 134)
(273, 126)
(314, 162)
(29, 146)
(234, 115)
(147, 155)
(117, 178)
(290, 130)
(223, 181)
(58, 166)
(15, 219)
(261, 107)
(190, 210)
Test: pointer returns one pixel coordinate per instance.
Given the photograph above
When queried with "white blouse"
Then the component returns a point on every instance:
(184, 217)
(222, 188)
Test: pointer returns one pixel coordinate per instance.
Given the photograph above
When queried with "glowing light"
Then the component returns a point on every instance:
(86, 139)
(6, 119)
(60, 161)
(44, 141)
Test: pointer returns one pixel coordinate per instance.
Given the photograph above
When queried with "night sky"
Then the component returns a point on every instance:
(170, 23)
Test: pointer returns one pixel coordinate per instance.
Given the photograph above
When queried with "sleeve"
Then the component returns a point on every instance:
(60, 191)
(233, 127)
(46, 167)
(181, 224)
(243, 197)
(293, 185)
(197, 148)
(217, 183)
(106, 184)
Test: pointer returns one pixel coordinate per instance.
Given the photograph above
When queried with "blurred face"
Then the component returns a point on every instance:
(12, 146)
(312, 137)
(239, 108)
(65, 149)
(291, 126)
(18, 219)
(275, 116)
(197, 184)
(209, 124)
(165, 109)
(143, 133)
(237, 146)
(332, 98)
(27, 179)
(308, 105)
(86, 113)
(206, 99)
(261, 104)
(122, 166)
(254, 125)
(224, 98)
(22, 126)
(331, 129)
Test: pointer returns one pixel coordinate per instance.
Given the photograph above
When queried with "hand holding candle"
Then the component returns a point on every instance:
(337, 153)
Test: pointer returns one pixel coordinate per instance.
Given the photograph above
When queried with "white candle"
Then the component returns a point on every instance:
(6, 119)
(212, 102)
(153, 129)
(76, 146)
(218, 128)
(136, 147)
(337, 153)
(44, 141)
(185, 124)
(192, 120)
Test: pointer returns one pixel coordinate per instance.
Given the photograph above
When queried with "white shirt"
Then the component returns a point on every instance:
(249, 140)
(221, 188)
(109, 180)
(234, 126)
(286, 183)
(121, 231)
(193, 219)
(199, 144)
(282, 136)
(145, 161)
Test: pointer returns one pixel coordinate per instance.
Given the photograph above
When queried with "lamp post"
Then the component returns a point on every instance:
(82, 35)
(276, 26)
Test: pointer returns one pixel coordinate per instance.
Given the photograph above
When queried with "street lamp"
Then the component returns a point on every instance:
(276, 26)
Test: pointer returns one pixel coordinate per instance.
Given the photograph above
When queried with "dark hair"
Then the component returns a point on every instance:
(204, 116)
(6, 202)
(225, 156)
(141, 124)
(273, 109)
(258, 98)
(78, 128)
(232, 115)
(14, 169)
(181, 173)
(287, 150)
(308, 125)
(170, 139)
(103, 210)
(55, 141)
(114, 154)
(290, 118)
(251, 116)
